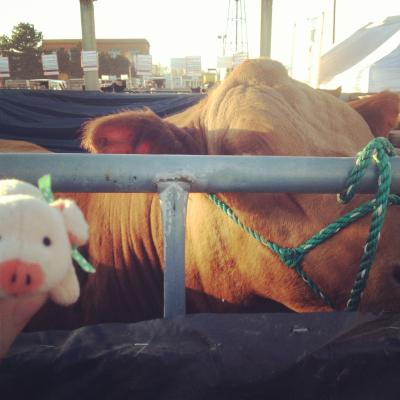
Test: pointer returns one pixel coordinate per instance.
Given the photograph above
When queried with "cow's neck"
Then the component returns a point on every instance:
(243, 257)
(127, 255)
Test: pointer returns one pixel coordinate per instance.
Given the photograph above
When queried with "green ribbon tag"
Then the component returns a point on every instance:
(82, 262)
(44, 184)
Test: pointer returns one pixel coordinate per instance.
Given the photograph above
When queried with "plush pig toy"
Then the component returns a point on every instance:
(35, 243)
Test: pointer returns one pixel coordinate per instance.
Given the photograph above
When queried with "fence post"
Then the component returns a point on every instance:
(173, 200)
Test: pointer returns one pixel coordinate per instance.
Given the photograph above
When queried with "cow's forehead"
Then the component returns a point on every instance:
(259, 100)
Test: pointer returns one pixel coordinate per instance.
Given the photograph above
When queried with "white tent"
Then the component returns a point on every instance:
(367, 61)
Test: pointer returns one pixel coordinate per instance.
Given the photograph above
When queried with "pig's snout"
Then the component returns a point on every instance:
(20, 277)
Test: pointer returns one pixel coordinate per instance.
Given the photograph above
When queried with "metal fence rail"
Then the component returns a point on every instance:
(175, 176)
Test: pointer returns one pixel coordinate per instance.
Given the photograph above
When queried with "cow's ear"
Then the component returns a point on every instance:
(139, 132)
(380, 111)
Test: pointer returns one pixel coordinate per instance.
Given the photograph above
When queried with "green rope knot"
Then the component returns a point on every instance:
(291, 256)
(377, 151)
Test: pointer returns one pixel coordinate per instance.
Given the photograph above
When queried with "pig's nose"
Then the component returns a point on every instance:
(19, 277)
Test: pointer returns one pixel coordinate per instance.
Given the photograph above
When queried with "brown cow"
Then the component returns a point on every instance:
(257, 110)
(381, 111)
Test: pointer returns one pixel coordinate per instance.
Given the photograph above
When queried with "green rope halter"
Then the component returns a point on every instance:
(44, 184)
(378, 150)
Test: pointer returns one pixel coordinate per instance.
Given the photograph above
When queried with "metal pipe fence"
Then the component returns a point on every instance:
(174, 176)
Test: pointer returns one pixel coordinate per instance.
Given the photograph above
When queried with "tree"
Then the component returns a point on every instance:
(76, 70)
(105, 64)
(121, 65)
(24, 50)
(64, 61)
(109, 65)
(4, 44)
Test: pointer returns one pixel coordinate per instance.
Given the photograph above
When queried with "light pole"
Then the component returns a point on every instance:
(223, 40)
(89, 41)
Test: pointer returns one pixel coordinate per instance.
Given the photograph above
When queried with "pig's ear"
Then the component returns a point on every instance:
(380, 111)
(140, 132)
(77, 228)
(67, 291)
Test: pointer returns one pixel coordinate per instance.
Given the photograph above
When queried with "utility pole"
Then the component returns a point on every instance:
(334, 23)
(89, 41)
(266, 28)
(236, 22)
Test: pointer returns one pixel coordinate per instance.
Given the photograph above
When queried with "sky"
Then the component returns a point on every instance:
(179, 28)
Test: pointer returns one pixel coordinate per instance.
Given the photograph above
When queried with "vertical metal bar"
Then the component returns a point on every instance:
(236, 26)
(173, 199)
(89, 40)
(266, 28)
(334, 23)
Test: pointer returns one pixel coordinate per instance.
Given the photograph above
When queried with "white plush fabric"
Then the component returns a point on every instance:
(35, 243)
(15, 186)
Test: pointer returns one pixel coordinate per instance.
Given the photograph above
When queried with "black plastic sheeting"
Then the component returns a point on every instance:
(209, 356)
(53, 119)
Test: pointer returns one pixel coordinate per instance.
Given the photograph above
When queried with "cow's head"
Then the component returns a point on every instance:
(259, 110)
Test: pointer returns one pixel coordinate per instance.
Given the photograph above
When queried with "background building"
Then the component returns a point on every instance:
(111, 66)
(186, 72)
(124, 47)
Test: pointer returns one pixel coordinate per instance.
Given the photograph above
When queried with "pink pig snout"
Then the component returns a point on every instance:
(20, 277)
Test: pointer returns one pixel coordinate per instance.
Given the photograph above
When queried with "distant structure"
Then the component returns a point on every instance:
(186, 73)
(235, 48)
(235, 41)
(366, 61)
(132, 49)
(125, 47)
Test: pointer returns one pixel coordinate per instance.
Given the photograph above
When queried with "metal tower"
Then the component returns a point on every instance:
(236, 29)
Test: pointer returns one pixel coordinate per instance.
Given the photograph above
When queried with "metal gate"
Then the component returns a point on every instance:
(174, 176)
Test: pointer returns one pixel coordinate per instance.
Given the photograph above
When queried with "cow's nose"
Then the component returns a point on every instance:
(396, 273)
(19, 277)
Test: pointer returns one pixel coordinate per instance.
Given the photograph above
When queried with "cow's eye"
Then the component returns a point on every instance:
(46, 241)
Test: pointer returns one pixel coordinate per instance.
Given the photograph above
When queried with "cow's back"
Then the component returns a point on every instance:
(20, 146)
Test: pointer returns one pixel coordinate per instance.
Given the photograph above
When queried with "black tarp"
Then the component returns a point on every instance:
(53, 118)
(208, 356)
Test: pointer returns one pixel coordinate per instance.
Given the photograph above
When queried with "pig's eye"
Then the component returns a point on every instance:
(46, 241)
